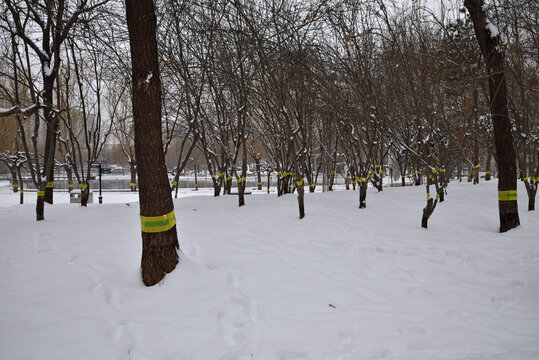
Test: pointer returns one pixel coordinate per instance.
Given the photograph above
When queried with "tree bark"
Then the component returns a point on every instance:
(50, 140)
(488, 167)
(503, 138)
(69, 178)
(258, 175)
(21, 186)
(133, 172)
(362, 194)
(159, 248)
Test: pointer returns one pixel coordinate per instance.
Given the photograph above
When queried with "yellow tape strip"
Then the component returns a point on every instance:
(15, 185)
(69, 185)
(259, 183)
(157, 224)
(133, 185)
(507, 195)
(41, 193)
(50, 184)
(22, 191)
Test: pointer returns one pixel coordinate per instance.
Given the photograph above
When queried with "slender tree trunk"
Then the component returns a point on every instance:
(69, 174)
(242, 183)
(531, 189)
(14, 180)
(21, 186)
(301, 197)
(488, 40)
(488, 167)
(40, 205)
(269, 180)
(133, 172)
(477, 166)
(50, 140)
(258, 175)
(196, 177)
(159, 237)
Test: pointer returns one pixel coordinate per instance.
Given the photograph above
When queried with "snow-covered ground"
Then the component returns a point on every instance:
(257, 283)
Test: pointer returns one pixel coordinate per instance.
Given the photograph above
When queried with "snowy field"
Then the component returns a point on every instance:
(257, 283)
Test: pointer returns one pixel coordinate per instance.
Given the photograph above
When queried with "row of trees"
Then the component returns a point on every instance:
(296, 87)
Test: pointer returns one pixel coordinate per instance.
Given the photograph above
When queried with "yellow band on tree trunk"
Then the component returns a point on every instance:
(50, 184)
(507, 195)
(41, 193)
(156, 224)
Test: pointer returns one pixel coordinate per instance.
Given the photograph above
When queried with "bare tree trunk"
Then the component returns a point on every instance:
(40, 205)
(14, 180)
(258, 174)
(50, 141)
(133, 172)
(301, 197)
(362, 194)
(488, 40)
(196, 177)
(159, 237)
(21, 186)
(477, 166)
(69, 174)
(488, 167)
(84, 195)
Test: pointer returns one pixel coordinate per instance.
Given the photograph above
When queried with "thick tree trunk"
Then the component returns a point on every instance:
(362, 194)
(159, 237)
(216, 186)
(488, 40)
(424, 222)
(84, 195)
